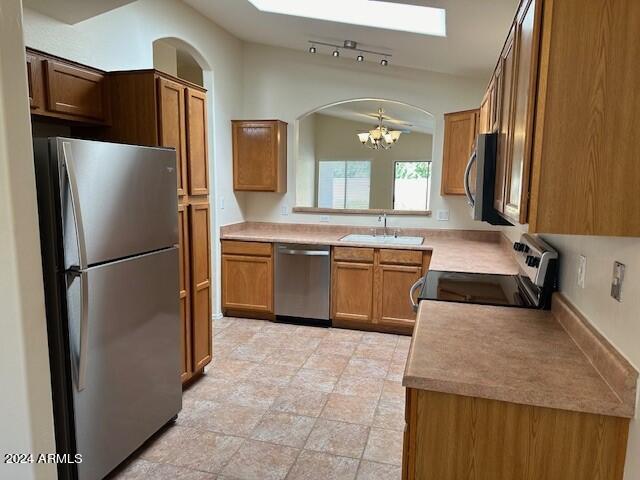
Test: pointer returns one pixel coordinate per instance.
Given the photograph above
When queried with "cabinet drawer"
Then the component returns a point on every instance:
(401, 257)
(353, 254)
(235, 247)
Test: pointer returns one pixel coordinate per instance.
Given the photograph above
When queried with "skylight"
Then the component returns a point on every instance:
(368, 13)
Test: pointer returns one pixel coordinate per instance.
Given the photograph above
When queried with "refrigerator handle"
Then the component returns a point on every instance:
(81, 369)
(75, 204)
(467, 173)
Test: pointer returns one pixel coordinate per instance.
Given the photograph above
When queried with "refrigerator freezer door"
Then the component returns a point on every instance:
(117, 200)
(132, 382)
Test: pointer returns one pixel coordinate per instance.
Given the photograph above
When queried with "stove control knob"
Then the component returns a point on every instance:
(532, 261)
(525, 248)
(518, 247)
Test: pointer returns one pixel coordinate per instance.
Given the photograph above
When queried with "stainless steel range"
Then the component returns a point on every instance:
(530, 288)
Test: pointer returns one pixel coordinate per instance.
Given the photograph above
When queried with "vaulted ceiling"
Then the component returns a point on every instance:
(476, 30)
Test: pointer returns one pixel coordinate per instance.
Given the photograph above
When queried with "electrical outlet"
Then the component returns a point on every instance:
(324, 219)
(284, 210)
(443, 215)
(582, 270)
(617, 280)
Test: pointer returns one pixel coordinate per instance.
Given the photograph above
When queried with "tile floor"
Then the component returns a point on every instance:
(287, 402)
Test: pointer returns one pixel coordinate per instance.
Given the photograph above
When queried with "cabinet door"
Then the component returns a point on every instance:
(76, 91)
(247, 283)
(505, 121)
(171, 128)
(517, 175)
(352, 292)
(393, 283)
(255, 156)
(184, 283)
(485, 113)
(459, 137)
(197, 150)
(200, 229)
(34, 82)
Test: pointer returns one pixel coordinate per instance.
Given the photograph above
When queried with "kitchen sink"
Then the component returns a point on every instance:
(382, 239)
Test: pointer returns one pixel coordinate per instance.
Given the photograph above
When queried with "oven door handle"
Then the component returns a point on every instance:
(412, 290)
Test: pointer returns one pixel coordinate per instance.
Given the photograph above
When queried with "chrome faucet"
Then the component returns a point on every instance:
(381, 218)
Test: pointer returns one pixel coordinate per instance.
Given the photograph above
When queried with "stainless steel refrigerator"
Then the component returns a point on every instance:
(109, 229)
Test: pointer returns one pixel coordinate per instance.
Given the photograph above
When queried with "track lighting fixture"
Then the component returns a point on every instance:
(350, 45)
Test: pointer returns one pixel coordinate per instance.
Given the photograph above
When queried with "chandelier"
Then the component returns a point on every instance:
(380, 137)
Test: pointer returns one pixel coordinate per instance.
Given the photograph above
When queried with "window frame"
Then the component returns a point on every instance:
(428, 195)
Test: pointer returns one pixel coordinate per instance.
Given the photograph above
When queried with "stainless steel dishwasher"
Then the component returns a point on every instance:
(303, 282)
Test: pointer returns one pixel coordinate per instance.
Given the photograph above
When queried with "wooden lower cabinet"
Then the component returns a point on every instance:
(352, 292)
(185, 298)
(247, 278)
(200, 226)
(370, 287)
(195, 287)
(393, 283)
(454, 437)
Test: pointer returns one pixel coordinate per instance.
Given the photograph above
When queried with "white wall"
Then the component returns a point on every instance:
(286, 84)
(122, 39)
(306, 162)
(26, 421)
(619, 322)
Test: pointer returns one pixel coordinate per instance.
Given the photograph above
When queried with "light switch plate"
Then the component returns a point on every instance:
(284, 210)
(324, 219)
(617, 280)
(221, 203)
(582, 270)
(443, 215)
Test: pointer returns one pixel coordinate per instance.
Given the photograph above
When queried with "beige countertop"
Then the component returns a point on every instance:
(452, 250)
(518, 355)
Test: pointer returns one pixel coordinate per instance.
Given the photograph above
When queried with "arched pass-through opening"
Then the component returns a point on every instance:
(178, 58)
(364, 155)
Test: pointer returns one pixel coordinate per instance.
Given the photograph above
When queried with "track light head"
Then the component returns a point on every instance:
(336, 53)
(360, 58)
(312, 49)
(384, 62)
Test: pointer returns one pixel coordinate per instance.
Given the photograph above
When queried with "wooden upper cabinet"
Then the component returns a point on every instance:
(568, 147)
(260, 155)
(525, 75)
(171, 126)
(66, 90)
(35, 81)
(247, 277)
(484, 117)
(197, 148)
(76, 91)
(505, 130)
(201, 287)
(460, 131)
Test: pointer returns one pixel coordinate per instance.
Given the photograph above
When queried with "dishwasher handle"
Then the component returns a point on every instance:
(308, 253)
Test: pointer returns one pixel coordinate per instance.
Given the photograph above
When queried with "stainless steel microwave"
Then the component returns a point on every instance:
(480, 180)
